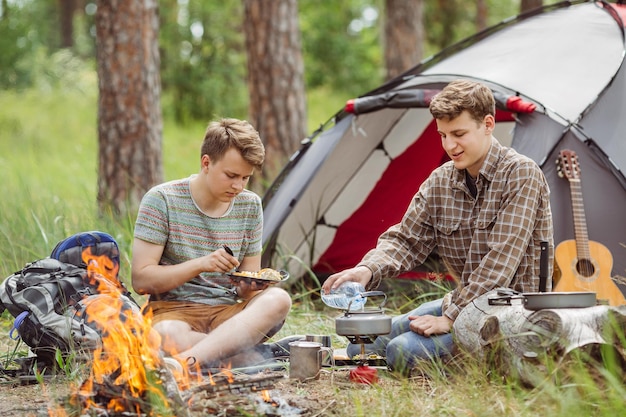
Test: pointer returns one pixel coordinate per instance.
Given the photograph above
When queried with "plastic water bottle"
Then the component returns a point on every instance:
(341, 296)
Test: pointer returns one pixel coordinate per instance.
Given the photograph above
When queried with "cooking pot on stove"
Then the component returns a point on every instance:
(363, 326)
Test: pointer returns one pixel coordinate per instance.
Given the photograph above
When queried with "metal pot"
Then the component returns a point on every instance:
(545, 300)
(542, 300)
(363, 326)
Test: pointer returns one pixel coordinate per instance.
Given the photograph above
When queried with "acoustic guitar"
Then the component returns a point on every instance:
(584, 265)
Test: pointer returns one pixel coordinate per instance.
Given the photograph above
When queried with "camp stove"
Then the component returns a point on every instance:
(363, 327)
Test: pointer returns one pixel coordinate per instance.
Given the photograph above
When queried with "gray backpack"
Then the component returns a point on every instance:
(48, 299)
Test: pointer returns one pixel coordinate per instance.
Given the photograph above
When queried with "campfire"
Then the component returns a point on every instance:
(127, 375)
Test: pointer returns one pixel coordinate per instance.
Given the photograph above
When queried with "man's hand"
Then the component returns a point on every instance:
(248, 288)
(360, 274)
(430, 325)
(219, 261)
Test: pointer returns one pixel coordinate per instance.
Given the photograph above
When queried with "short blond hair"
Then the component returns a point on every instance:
(223, 134)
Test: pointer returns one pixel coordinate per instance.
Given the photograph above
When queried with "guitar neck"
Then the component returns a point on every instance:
(580, 223)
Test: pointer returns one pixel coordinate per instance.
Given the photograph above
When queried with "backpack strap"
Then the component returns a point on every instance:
(16, 325)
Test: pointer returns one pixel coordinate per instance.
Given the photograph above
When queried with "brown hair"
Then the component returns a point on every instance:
(224, 134)
(461, 95)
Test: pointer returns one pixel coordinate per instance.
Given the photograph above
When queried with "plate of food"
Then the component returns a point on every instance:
(265, 275)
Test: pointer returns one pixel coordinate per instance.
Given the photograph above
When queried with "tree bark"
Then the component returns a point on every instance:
(66, 14)
(482, 13)
(129, 112)
(448, 12)
(404, 35)
(275, 78)
(527, 5)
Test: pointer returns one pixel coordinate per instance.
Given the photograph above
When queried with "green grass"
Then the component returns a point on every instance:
(48, 169)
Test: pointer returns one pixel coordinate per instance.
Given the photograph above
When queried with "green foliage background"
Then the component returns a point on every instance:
(203, 61)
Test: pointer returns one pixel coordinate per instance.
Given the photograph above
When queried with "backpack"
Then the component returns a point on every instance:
(48, 298)
(70, 250)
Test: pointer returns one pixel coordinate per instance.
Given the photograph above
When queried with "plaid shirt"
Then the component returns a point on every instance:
(486, 242)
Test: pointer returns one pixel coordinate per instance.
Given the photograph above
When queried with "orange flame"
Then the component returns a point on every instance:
(265, 394)
(228, 374)
(129, 353)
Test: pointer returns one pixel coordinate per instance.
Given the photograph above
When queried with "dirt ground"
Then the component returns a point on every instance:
(330, 395)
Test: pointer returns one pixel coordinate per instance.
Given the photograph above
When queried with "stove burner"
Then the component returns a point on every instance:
(362, 339)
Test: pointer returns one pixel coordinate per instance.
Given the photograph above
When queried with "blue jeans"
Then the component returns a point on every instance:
(404, 348)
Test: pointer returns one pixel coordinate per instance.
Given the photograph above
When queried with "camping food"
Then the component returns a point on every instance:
(270, 274)
(265, 274)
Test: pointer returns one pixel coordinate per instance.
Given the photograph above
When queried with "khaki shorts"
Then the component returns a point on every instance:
(201, 317)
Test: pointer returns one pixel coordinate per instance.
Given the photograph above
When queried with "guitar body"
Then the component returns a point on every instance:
(583, 265)
(593, 274)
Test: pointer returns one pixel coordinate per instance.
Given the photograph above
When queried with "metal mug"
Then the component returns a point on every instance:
(325, 340)
(305, 360)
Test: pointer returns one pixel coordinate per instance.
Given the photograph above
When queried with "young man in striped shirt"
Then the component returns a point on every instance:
(189, 233)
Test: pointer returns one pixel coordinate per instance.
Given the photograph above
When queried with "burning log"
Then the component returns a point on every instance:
(225, 381)
(518, 340)
(233, 395)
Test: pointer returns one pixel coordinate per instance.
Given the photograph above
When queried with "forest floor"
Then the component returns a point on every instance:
(332, 394)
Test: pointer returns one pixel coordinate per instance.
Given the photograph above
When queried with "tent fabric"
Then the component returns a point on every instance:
(401, 99)
(353, 179)
(284, 193)
(562, 59)
(386, 202)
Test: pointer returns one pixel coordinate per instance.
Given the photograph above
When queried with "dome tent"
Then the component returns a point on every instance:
(355, 176)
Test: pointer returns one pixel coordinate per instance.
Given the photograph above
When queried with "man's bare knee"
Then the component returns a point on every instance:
(277, 299)
(171, 332)
(274, 303)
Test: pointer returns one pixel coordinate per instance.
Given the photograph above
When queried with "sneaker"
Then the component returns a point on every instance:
(173, 365)
(279, 348)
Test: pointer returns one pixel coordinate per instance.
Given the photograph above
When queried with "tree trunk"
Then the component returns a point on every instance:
(404, 35)
(66, 13)
(448, 14)
(523, 342)
(527, 5)
(129, 112)
(275, 78)
(482, 13)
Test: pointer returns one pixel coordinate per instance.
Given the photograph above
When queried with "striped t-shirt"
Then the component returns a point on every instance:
(168, 216)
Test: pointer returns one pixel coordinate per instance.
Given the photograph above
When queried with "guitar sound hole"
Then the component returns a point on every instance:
(585, 267)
